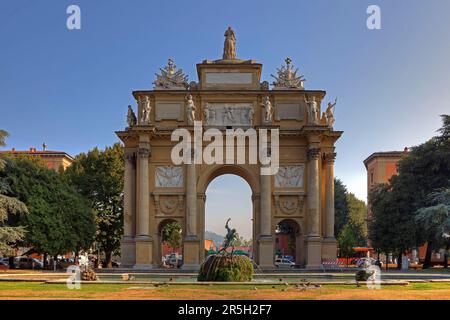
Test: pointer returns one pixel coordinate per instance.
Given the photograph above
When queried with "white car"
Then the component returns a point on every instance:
(284, 263)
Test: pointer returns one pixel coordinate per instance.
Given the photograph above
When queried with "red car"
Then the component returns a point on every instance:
(4, 266)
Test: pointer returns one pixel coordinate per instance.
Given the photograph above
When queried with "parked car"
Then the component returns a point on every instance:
(27, 263)
(284, 263)
(290, 258)
(4, 265)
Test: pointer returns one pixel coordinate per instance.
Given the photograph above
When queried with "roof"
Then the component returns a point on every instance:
(385, 154)
(33, 152)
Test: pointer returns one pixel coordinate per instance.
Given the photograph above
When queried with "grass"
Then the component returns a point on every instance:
(37, 290)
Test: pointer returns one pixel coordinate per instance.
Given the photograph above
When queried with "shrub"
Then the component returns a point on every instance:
(226, 268)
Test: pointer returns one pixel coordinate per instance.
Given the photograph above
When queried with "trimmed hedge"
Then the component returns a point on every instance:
(226, 268)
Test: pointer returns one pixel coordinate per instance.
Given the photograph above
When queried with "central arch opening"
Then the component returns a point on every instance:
(229, 196)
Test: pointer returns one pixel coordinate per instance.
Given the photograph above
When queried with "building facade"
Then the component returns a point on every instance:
(229, 95)
(381, 166)
(52, 159)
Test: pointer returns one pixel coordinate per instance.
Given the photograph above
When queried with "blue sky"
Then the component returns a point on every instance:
(71, 88)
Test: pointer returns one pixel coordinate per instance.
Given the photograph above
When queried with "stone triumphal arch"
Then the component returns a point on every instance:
(229, 94)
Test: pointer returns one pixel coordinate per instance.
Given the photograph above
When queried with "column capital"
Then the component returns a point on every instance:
(144, 152)
(130, 155)
(313, 154)
(330, 157)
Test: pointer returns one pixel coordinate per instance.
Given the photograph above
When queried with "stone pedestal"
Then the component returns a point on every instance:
(144, 253)
(314, 253)
(191, 253)
(266, 252)
(329, 248)
(127, 252)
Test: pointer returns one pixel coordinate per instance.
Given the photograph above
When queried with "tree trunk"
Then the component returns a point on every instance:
(446, 256)
(387, 261)
(108, 259)
(45, 261)
(76, 257)
(427, 261)
(11, 263)
(399, 261)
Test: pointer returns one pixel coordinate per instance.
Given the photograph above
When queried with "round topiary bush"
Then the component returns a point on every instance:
(226, 268)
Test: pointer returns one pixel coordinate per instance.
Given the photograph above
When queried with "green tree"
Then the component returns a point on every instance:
(10, 208)
(3, 135)
(98, 175)
(347, 241)
(171, 234)
(435, 220)
(425, 169)
(357, 218)
(340, 206)
(59, 220)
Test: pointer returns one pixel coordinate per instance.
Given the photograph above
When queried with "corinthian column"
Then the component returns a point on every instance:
(129, 194)
(313, 192)
(266, 204)
(144, 195)
(329, 195)
(314, 247)
(191, 200)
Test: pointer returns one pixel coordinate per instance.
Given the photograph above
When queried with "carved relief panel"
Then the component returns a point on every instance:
(290, 176)
(169, 177)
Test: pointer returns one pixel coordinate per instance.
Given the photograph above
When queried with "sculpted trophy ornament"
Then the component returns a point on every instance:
(190, 110)
(268, 110)
(229, 47)
(131, 117)
(287, 77)
(146, 109)
(171, 78)
(313, 111)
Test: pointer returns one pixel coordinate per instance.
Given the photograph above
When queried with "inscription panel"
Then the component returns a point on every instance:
(169, 111)
(288, 111)
(228, 77)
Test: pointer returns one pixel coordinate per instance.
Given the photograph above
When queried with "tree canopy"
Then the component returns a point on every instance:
(98, 175)
(10, 209)
(60, 219)
(394, 226)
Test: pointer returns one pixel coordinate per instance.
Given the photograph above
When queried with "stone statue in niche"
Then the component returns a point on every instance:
(131, 117)
(290, 176)
(229, 47)
(190, 110)
(313, 111)
(169, 177)
(146, 109)
(268, 110)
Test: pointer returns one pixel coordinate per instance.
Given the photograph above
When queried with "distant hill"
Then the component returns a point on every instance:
(216, 238)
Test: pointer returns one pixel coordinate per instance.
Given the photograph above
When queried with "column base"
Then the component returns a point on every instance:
(191, 253)
(144, 253)
(127, 252)
(329, 248)
(314, 252)
(266, 254)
